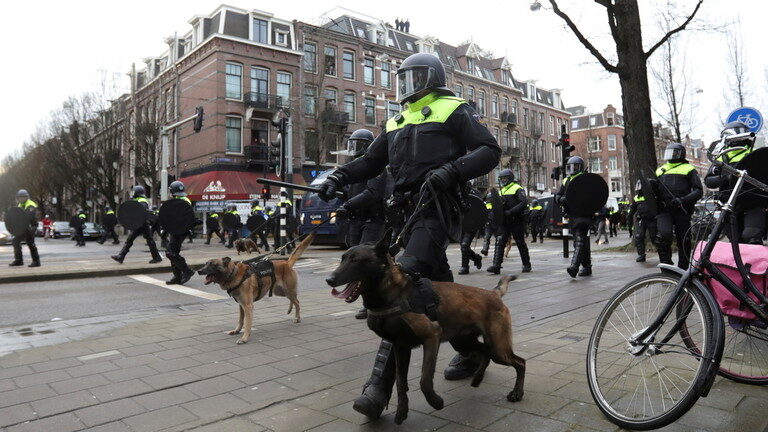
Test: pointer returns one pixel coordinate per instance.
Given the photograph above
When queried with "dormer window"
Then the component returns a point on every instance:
(609, 119)
(281, 38)
(409, 45)
(361, 33)
(470, 65)
(260, 33)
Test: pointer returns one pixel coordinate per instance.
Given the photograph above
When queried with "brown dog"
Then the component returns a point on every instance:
(463, 313)
(247, 285)
(246, 245)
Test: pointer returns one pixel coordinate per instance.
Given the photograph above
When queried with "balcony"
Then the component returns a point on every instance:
(256, 152)
(537, 131)
(509, 118)
(263, 102)
(511, 151)
(335, 118)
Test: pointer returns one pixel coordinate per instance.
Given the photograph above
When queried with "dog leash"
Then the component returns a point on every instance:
(269, 255)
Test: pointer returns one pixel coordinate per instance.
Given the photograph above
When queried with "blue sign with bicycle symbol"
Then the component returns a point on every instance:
(749, 116)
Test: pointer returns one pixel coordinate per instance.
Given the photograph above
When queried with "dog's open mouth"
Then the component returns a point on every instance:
(208, 279)
(351, 292)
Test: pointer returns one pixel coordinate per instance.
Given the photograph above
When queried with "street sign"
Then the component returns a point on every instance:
(749, 116)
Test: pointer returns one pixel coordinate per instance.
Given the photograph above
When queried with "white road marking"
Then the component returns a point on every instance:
(98, 355)
(342, 313)
(178, 288)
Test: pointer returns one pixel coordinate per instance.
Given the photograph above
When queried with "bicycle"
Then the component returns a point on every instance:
(658, 344)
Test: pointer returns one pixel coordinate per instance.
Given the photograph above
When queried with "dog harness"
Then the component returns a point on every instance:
(423, 300)
(261, 269)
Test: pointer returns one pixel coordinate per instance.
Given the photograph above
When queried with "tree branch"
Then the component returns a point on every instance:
(675, 30)
(584, 41)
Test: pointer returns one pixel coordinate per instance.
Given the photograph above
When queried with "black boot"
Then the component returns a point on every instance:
(153, 250)
(477, 260)
(498, 257)
(176, 279)
(586, 260)
(35, 255)
(665, 252)
(123, 252)
(578, 250)
(461, 366)
(640, 258)
(186, 272)
(18, 259)
(16, 263)
(362, 313)
(586, 271)
(463, 270)
(378, 389)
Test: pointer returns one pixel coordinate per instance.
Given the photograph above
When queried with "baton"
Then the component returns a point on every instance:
(265, 181)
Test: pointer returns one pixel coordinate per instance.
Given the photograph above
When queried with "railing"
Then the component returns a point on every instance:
(333, 117)
(509, 118)
(511, 151)
(257, 152)
(537, 131)
(264, 101)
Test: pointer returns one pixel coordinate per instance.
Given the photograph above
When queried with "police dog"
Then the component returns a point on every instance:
(235, 278)
(246, 245)
(463, 314)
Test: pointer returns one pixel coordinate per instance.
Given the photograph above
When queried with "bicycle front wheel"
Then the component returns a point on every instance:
(650, 385)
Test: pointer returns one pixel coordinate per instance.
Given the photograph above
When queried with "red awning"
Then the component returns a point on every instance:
(224, 185)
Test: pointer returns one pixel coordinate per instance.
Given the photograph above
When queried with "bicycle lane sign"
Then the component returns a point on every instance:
(749, 116)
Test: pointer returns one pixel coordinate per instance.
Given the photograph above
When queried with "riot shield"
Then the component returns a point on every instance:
(230, 221)
(132, 215)
(176, 216)
(586, 194)
(475, 215)
(755, 164)
(17, 221)
(255, 222)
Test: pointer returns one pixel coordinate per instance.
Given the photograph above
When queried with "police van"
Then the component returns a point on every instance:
(314, 211)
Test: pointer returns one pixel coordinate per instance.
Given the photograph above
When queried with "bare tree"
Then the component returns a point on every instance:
(631, 67)
(738, 84)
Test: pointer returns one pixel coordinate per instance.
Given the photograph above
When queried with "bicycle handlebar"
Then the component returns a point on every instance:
(740, 173)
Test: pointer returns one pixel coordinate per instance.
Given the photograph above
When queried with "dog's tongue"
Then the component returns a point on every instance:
(346, 292)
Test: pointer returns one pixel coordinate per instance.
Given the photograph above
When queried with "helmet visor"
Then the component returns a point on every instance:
(412, 81)
(356, 146)
(671, 154)
(573, 168)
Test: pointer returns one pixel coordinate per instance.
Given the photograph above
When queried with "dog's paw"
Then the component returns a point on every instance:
(242, 341)
(297, 320)
(515, 396)
(233, 332)
(436, 402)
(401, 415)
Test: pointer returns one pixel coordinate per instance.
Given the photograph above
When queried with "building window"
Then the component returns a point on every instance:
(525, 118)
(541, 122)
(496, 134)
(310, 57)
(368, 68)
(260, 83)
(615, 185)
(459, 90)
(613, 163)
(611, 142)
(595, 166)
(234, 81)
(310, 100)
(234, 135)
(470, 65)
(330, 61)
(554, 151)
(260, 33)
(481, 102)
(370, 111)
(348, 65)
(592, 120)
(505, 105)
(168, 104)
(505, 138)
(551, 125)
(609, 119)
(514, 106)
(593, 144)
(284, 87)
(516, 139)
(349, 105)
(495, 106)
(386, 78)
(281, 38)
(471, 94)
(393, 109)
(330, 96)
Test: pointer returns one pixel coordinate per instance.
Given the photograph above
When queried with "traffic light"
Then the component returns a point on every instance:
(198, 125)
(274, 151)
(265, 195)
(565, 142)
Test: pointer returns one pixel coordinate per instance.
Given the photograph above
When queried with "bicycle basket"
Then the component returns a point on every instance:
(755, 258)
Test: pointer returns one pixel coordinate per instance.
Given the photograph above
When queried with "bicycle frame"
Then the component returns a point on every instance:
(695, 271)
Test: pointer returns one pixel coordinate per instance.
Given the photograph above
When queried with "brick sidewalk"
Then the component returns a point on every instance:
(176, 370)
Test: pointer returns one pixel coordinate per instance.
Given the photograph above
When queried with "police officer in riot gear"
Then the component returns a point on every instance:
(536, 221)
(490, 226)
(25, 203)
(145, 231)
(465, 244)
(438, 142)
(515, 203)
(679, 187)
(579, 225)
(181, 271)
(290, 222)
(213, 226)
(356, 212)
(78, 223)
(751, 219)
(645, 221)
(109, 227)
(233, 232)
(261, 232)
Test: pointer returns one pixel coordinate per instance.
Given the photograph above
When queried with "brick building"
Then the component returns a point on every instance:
(599, 140)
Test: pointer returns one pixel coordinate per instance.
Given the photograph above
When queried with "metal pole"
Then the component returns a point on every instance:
(283, 210)
(164, 165)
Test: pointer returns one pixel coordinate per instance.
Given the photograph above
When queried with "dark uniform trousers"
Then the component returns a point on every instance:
(109, 232)
(582, 253)
(261, 235)
(425, 246)
(178, 263)
(514, 228)
(680, 221)
(537, 228)
(644, 226)
(490, 232)
(79, 236)
(146, 232)
(467, 254)
(750, 226)
(217, 231)
(233, 234)
(29, 237)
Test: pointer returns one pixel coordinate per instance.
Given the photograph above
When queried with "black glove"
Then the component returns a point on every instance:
(344, 212)
(329, 187)
(442, 178)
(676, 203)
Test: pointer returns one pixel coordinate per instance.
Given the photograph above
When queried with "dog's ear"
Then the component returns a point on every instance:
(382, 247)
(226, 260)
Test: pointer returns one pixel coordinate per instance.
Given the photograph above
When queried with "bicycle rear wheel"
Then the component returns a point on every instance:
(745, 353)
(651, 385)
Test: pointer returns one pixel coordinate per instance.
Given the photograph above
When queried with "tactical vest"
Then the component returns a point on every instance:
(185, 199)
(674, 179)
(27, 204)
(736, 157)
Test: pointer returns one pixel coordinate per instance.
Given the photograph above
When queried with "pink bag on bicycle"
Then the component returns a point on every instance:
(755, 259)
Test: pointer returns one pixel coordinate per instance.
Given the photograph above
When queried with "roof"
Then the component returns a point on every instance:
(589, 121)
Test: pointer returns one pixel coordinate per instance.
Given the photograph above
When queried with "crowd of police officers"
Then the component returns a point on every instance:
(416, 176)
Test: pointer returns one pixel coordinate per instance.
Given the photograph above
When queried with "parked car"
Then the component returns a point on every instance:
(314, 211)
(92, 231)
(39, 229)
(5, 236)
(61, 229)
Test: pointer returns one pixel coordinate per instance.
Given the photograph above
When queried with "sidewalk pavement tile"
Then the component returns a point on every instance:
(337, 425)
(215, 405)
(585, 414)
(296, 418)
(41, 378)
(129, 373)
(214, 386)
(108, 412)
(91, 368)
(160, 419)
(16, 414)
(173, 365)
(170, 379)
(472, 413)
(257, 374)
(26, 394)
(265, 391)
(212, 369)
(521, 421)
(81, 383)
(110, 427)
(120, 390)
(61, 423)
(63, 403)
(237, 424)
(165, 398)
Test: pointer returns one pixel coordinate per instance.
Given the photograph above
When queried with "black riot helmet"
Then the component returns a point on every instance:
(506, 176)
(675, 152)
(574, 165)
(177, 189)
(418, 75)
(534, 203)
(359, 141)
(22, 195)
(736, 128)
(254, 202)
(138, 191)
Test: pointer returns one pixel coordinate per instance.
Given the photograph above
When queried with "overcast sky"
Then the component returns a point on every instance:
(54, 49)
